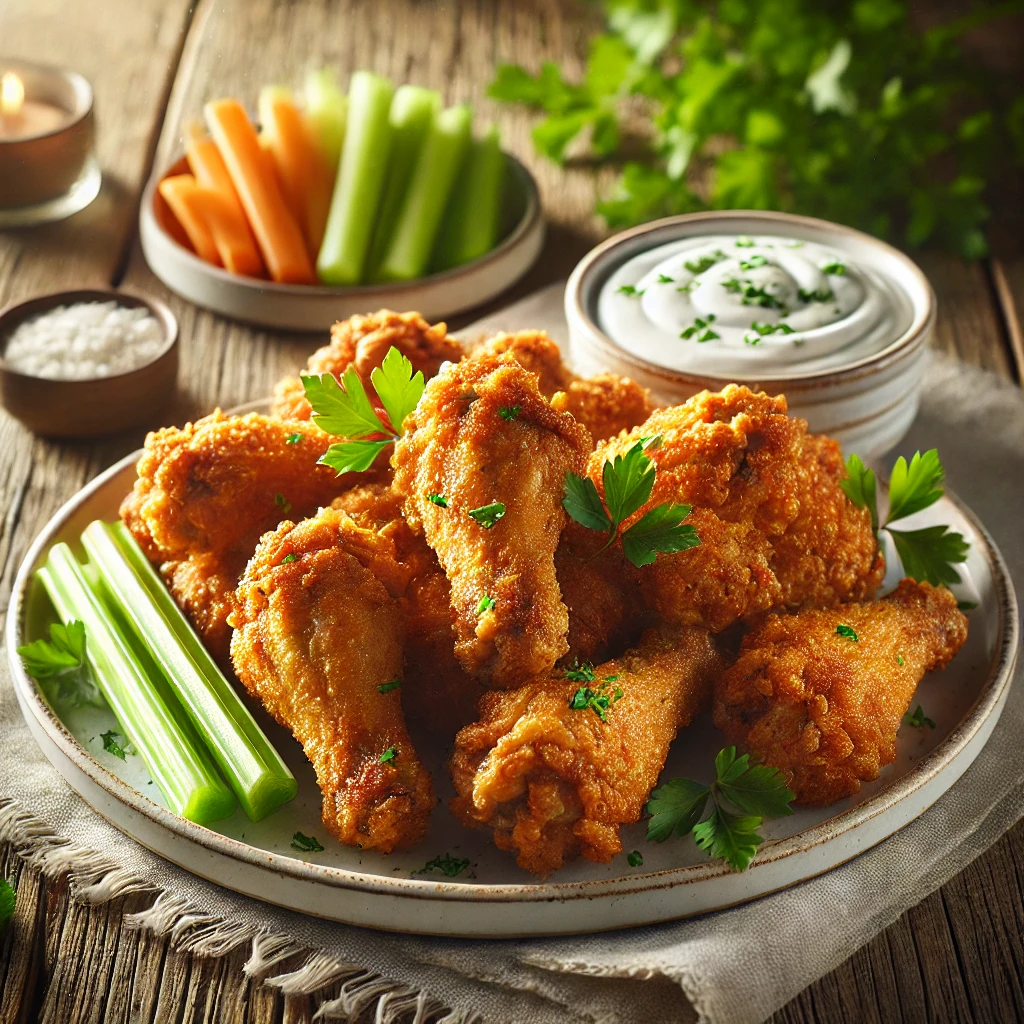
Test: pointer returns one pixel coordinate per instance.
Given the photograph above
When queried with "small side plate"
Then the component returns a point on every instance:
(315, 307)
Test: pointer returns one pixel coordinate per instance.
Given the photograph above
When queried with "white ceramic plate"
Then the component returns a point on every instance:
(316, 308)
(495, 898)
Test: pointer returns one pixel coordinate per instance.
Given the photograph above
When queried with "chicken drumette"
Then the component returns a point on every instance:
(821, 694)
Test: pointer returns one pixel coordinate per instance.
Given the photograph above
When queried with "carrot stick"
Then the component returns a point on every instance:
(301, 165)
(278, 235)
(226, 219)
(179, 193)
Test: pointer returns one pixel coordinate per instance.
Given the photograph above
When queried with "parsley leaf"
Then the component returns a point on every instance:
(294, 438)
(914, 487)
(741, 796)
(114, 743)
(631, 290)
(848, 632)
(352, 456)
(487, 515)
(930, 553)
(486, 604)
(8, 899)
(635, 859)
(448, 865)
(659, 530)
(918, 720)
(859, 486)
(306, 844)
(598, 699)
(389, 755)
(438, 499)
(341, 409)
(628, 481)
(60, 666)
(580, 672)
(510, 412)
(282, 503)
(584, 504)
(388, 687)
(398, 388)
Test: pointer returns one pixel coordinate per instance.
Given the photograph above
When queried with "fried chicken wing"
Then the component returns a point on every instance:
(605, 404)
(316, 635)
(363, 342)
(555, 780)
(776, 529)
(824, 705)
(483, 435)
(205, 494)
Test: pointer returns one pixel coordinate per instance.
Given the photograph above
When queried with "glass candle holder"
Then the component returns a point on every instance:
(48, 166)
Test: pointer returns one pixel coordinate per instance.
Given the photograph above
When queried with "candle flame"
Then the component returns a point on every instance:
(12, 93)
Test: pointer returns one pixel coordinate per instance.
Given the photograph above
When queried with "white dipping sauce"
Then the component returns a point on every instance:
(732, 304)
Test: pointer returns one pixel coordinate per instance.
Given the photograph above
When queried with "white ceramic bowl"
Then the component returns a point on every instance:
(316, 308)
(867, 405)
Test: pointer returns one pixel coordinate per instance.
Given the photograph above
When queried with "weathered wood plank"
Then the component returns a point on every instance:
(1008, 283)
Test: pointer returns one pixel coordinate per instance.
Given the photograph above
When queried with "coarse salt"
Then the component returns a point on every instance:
(84, 341)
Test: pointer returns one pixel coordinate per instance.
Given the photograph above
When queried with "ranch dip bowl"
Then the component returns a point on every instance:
(834, 319)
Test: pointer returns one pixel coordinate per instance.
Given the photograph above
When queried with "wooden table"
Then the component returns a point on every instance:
(957, 956)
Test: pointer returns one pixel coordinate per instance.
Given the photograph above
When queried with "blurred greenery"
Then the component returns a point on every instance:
(839, 110)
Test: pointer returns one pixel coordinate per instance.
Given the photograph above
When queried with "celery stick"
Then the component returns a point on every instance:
(180, 766)
(327, 110)
(360, 182)
(412, 111)
(440, 160)
(472, 220)
(252, 767)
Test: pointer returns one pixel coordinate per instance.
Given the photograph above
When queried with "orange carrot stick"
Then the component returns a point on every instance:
(236, 249)
(302, 167)
(179, 194)
(277, 233)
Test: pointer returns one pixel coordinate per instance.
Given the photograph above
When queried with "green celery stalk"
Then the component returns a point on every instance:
(412, 111)
(253, 768)
(473, 218)
(360, 181)
(179, 764)
(327, 110)
(408, 253)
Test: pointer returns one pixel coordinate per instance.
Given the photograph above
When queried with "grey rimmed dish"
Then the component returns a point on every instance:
(867, 405)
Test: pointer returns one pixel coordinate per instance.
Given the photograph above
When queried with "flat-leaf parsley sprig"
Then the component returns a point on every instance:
(345, 410)
(628, 482)
(59, 664)
(928, 554)
(741, 796)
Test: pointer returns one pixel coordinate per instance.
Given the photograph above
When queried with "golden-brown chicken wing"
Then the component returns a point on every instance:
(823, 702)
(555, 775)
(205, 494)
(363, 342)
(775, 527)
(316, 636)
(604, 404)
(492, 453)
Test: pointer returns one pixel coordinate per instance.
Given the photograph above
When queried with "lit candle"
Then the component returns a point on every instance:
(25, 119)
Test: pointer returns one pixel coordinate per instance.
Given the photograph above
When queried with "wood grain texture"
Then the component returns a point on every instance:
(957, 956)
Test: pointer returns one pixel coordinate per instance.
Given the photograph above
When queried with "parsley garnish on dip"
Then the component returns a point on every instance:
(775, 306)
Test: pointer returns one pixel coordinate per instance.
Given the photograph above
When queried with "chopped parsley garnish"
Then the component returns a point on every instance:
(306, 844)
(835, 268)
(388, 687)
(757, 260)
(116, 744)
(848, 632)
(580, 672)
(751, 294)
(294, 438)
(289, 558)
(743, 242)
(8, 899)
(510, 412)
(598, 698)
(628, 482)
(705, 262)
(899, 660)
(343, 409)
(764, 328)
(741, 796)
(485, 605)
(282, 503)
(635, 859)
(928, 554)
(665, 279)
(60, 666)
(438, 499)
(702, 325)
(448, 865)
(389, 755)
(918, 720)
(818, 295)
(967, 606)
(487, 515)
(631, 290)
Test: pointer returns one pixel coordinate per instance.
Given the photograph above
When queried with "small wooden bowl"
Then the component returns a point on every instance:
(95, 406)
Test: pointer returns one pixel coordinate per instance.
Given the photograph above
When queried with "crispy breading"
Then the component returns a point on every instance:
(605, 404)
(776, 529)
(825, 707)
(363, 342)
(205, 494)
(510, 621)
(316, 634)
(554, 781)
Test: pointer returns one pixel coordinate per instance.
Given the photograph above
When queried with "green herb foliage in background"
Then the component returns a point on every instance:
(841, 110)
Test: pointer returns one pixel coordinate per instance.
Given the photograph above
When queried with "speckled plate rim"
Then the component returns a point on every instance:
(917, 332)
(980, 720)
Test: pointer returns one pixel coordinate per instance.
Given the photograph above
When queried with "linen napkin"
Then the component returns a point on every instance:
(734, 966)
